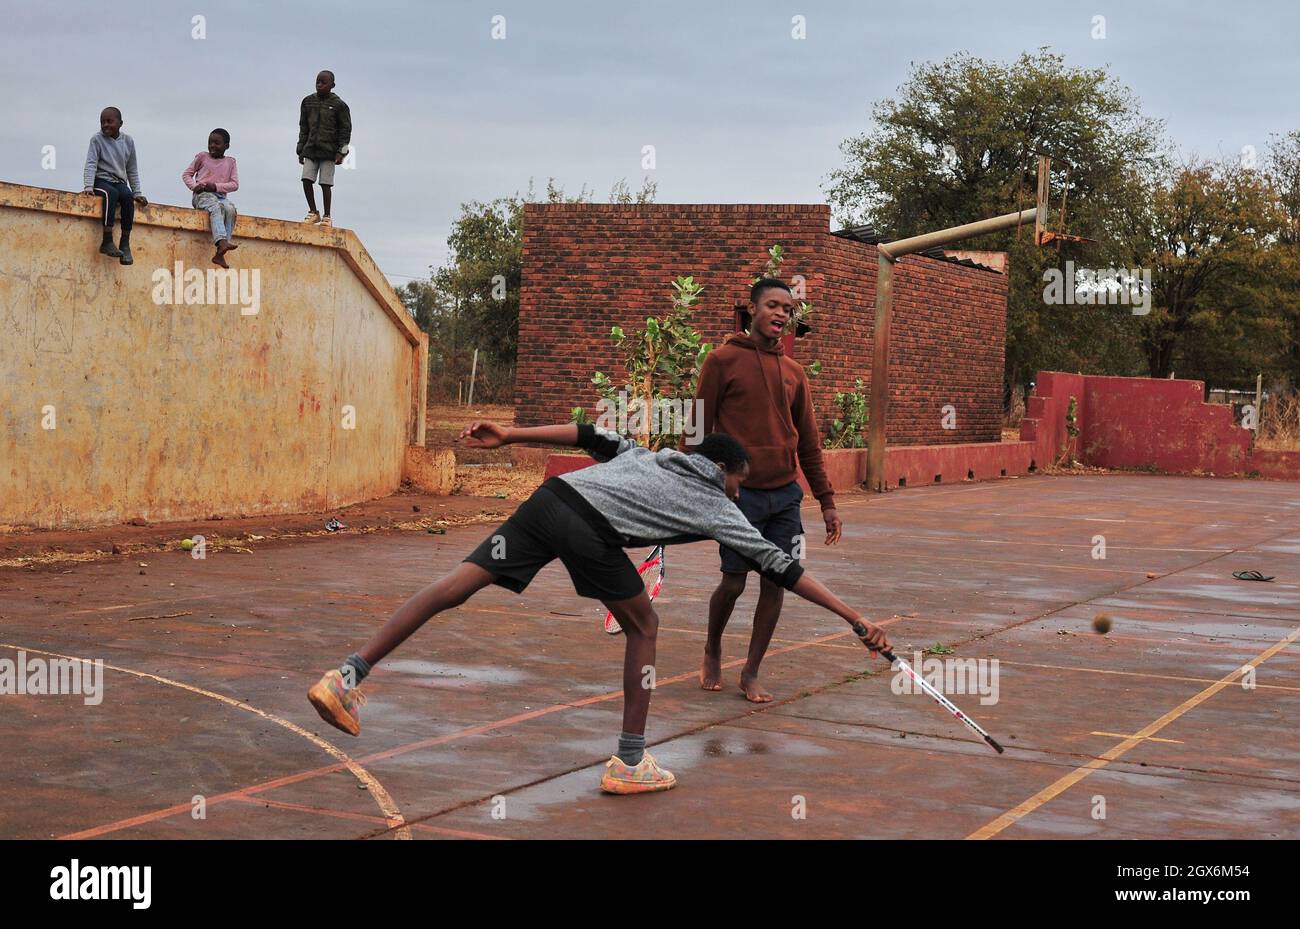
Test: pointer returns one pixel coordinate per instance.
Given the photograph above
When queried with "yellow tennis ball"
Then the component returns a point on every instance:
(187, 545)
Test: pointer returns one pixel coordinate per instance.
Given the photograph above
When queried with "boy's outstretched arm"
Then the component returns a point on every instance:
(484, 434)
(601, 444)
(814, 591)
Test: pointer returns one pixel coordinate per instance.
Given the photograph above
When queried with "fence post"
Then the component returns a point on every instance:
(472, 371)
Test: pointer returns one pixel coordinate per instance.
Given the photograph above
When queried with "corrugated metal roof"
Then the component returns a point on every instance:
(870, 236)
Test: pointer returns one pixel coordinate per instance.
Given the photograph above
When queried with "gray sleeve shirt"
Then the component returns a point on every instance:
(113, 159)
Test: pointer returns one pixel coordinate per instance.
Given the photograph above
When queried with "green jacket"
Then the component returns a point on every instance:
(324, 127)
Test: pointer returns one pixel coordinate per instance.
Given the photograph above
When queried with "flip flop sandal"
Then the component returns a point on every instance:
(1252, 576)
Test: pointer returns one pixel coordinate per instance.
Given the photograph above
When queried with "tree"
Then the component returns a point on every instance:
(1282, 172)
(1210, 239)
(957, 144)
(663, 363)
(473, 300)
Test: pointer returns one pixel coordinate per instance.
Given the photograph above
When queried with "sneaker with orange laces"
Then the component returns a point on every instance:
(620, 778)
(337, 704)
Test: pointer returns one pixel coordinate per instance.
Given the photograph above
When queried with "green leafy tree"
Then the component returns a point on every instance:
(849, 419)
(472, 301)
(1211, 239)
(957, 144)
(662, 363)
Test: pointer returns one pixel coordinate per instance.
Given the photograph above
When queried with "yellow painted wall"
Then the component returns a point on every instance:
(177, 411)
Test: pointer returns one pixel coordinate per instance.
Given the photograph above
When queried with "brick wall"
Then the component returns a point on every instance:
(588, 267)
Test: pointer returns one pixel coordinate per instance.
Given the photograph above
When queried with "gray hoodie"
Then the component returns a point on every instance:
(639, 497)
(113, 159)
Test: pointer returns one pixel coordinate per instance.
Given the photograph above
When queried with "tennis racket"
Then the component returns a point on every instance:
(653, 562)
(861, 632)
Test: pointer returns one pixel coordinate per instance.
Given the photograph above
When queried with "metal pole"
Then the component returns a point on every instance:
(1259, 398)
(919, 243)
(472, 371)
(880, 372)
(887, 253)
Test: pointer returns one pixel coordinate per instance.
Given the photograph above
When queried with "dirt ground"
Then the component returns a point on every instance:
(444, 421)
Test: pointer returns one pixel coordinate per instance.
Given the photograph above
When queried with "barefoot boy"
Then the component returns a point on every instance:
(585, 518)
(750, 389)
(324, 131)
(113, 173)
(211, 177)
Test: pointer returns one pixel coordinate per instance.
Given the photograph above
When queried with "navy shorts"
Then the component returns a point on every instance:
(775, 514)
(545, 528)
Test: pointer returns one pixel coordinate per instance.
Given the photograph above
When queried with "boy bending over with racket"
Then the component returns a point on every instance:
(635, 497)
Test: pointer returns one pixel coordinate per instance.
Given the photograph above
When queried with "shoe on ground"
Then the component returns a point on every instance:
(337, 705)
(646, 777)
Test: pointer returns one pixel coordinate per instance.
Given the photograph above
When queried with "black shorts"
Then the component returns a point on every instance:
(775, 514)
(545, 528)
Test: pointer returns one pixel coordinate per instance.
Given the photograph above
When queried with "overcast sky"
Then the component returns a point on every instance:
(738, 110)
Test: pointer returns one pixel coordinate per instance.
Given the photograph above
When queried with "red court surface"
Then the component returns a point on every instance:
(494, 721)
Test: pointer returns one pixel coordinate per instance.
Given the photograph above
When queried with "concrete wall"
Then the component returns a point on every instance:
(1122, 422)
(590, 266)
(176, 411)
(1148, 424)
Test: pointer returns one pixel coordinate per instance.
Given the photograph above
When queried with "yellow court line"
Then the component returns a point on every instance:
(1150, 738)
(1143, 674)
(392, 815)
(1023, 809)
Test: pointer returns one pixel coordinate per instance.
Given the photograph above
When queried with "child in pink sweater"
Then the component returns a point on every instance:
(211, 176)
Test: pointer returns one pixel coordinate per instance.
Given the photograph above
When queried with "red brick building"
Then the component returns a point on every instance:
(588, 267)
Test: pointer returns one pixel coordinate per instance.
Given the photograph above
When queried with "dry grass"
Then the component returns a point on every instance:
(446, 420)
(500, 481)
(1279, 423)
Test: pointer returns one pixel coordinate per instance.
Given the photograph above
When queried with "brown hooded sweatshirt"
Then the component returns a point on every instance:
(763, 399)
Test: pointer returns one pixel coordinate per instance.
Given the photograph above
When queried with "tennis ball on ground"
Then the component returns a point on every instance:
(187, 545)
(1101, 623)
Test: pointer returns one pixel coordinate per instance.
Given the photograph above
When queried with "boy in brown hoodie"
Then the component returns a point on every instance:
(750, 389)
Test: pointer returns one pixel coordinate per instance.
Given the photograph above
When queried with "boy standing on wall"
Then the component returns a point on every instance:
(324, 132)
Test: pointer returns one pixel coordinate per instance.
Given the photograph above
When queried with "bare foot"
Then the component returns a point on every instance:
(230, 246)
(711, 673)
(220, 258)
(753, 690)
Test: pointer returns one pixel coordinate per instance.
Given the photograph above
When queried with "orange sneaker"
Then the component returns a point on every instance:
(337, 705)
(620, 778)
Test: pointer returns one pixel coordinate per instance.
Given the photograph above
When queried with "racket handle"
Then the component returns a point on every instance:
(861, 631)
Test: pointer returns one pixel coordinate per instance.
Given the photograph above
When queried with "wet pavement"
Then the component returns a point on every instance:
(495, 719)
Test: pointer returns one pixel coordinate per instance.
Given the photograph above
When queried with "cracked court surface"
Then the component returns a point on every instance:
(494, 720)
